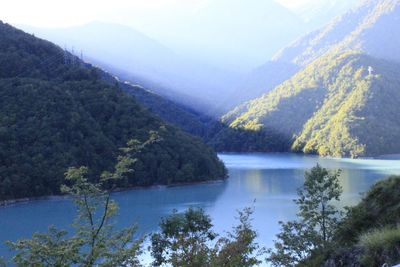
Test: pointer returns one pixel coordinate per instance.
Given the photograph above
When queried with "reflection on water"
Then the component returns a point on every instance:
(147, 207)
(271, 180)
(258, 183)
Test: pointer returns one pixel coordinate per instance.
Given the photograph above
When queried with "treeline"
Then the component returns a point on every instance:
(56, 112)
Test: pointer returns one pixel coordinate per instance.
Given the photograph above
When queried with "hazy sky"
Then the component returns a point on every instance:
(237, 33)
(53, 13)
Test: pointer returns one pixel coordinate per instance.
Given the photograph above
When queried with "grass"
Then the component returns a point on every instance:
(381, 246)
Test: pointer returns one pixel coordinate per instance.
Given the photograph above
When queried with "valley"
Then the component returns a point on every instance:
(200, 133)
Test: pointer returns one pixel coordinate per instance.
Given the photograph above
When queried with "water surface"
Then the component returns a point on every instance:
(267, 181)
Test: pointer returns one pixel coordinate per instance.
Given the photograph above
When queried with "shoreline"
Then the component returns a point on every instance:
(12, 202)
(378, 157)
(389, 157)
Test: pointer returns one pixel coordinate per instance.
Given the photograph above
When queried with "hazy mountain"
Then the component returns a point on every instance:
(214, 133)
(306, 49)
(334, 105)
(237, 34)
(370, 28)
(262, 80)
(319, 12)
(140, 59)
(57, 112)
(242, 35)
(181, 116)
(234, 35)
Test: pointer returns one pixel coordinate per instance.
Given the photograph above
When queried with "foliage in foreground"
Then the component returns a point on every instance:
(94, 243)
(368, 234)
(379, 207)
(186, 240)
(317, 219)
(381, 245)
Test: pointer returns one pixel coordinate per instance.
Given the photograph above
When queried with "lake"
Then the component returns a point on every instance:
(266, 181)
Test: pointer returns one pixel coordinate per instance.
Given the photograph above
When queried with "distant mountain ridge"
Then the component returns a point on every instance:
(138, 58)
(319, 12)
(351, 30)
(370, 28)
(342, 101)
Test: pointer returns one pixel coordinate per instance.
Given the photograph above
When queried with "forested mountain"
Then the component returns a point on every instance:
(212, 131)
(333, 105)
(57, 112)
(181, 116)
(263, 79)
(367, 28)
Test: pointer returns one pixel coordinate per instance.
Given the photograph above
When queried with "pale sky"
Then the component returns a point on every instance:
(56, 13)
(294, 3)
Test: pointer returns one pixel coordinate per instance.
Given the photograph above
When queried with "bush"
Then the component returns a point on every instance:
(381, 246)
(380, 207)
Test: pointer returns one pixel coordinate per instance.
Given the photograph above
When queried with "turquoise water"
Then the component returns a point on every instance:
(271, 180)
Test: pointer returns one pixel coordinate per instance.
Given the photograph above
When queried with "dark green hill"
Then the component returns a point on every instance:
(57, 112)
(181, 116)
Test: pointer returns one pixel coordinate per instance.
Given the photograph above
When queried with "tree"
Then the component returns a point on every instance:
(239, 248)
(95, 242)
(186, 239)
(100, 244)
(320, 188)
(47, 249)
(183, 239)
(313, 230)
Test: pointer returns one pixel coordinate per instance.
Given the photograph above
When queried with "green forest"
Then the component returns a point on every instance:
(332, 107)
(57, 112)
